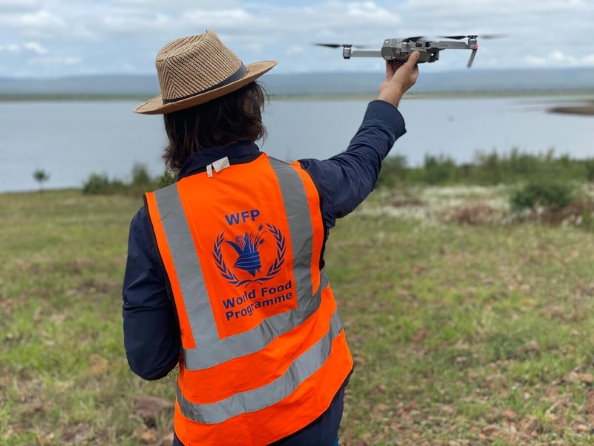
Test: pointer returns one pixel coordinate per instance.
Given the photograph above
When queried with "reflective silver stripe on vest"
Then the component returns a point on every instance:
(301, 369)
(187, 267)
(210, 349)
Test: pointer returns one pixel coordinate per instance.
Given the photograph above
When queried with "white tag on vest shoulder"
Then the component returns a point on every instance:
(218, 165)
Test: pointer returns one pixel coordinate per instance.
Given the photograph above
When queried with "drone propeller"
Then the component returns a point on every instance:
(474, 36)
(330, 45)
(455, 37)
(341, 45)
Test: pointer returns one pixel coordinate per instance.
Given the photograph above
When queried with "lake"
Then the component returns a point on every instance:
(71, 140)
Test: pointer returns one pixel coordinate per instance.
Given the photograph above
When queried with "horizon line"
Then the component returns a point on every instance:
(455, 70)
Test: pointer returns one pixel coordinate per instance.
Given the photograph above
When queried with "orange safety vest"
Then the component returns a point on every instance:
(264, 352)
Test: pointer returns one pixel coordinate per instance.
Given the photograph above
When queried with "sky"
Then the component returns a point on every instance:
(54, 38)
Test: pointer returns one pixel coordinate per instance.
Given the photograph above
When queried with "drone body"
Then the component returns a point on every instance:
(398, 50)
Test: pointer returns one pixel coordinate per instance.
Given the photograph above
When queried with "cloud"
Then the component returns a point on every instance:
(534, 28)
(295, 50)
(535, 60)
(41, 19)
(275, 21)
(10, 48)
(505, 7)
(55, 60)
(221, 18)
(135, 23)
(35, 47)
(125, 35)
(38, 24)
(588, 59)
(19, 5)
(331, 17)
(558, 58)
(176, 4)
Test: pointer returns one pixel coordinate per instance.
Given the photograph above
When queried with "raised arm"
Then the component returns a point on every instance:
(347, 178)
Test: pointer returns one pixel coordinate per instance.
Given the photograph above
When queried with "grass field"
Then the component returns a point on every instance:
(462, 335)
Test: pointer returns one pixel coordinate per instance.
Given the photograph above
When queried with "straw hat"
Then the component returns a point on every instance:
(196, 69)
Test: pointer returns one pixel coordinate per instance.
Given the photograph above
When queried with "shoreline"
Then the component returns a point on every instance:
(581, 95)
(584, 110)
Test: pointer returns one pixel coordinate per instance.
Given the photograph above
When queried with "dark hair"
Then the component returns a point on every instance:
(236, 116)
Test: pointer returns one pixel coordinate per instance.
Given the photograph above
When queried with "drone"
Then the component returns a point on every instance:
(398, 50)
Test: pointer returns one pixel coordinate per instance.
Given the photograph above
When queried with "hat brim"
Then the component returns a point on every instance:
(155, 106)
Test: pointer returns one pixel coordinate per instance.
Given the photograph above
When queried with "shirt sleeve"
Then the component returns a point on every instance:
(151, 333)
(344, 180)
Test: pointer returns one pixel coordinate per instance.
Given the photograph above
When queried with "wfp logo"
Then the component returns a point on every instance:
(247, 260)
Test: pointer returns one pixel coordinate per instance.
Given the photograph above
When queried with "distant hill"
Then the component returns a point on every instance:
(468, 81)
(111, 85)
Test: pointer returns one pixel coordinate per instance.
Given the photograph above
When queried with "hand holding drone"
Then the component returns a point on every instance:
(399, 78)
(398, 50)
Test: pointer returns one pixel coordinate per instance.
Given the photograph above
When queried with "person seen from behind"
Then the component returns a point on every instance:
(225, 269)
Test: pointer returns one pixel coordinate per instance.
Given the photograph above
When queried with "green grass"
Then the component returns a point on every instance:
(461, 334)
(62, 260)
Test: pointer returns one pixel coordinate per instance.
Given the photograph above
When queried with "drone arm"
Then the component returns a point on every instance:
(447, 45)
(364, 53)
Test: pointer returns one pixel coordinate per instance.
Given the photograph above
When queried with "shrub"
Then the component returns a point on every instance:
(393, 171)
(489, 168)
(523, 163)
(140, 183)
(101, 184)
(96, 184)
(549, 194)
(439, 169)
(140, 175)
(472, 213)
(167, 179)
(41, 176)
(589, 166)
(587, 217)
(577, 213)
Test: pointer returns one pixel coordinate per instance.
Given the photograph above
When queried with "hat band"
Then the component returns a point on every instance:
(234, 77)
